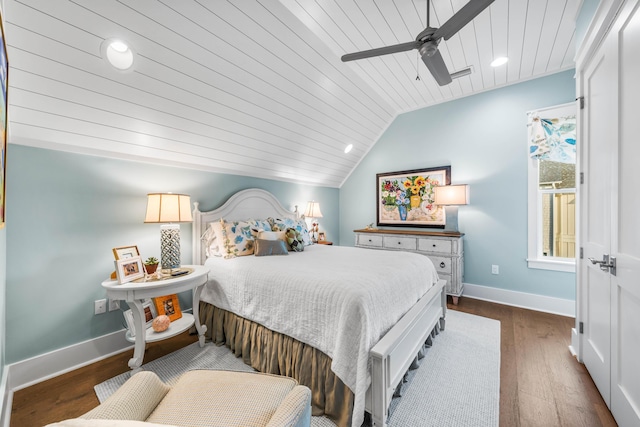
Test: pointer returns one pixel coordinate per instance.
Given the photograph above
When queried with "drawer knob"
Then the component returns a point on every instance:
(434, 245)
(369, 239)
(442, 264)
(399, 243)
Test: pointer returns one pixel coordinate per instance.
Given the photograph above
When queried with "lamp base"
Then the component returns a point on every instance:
(451, 218)
(170, 246)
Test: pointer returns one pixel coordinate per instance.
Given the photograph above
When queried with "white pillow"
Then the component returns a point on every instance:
(212, 247)
(271, 235)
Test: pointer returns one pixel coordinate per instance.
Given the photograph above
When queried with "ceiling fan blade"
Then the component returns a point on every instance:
(461, 18)
(402, 47)
(437, 67)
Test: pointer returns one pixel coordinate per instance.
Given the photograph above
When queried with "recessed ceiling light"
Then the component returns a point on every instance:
(118, 54)
(348, 148)
(501, 60)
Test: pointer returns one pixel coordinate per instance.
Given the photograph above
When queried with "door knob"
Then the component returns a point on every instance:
(607, 263)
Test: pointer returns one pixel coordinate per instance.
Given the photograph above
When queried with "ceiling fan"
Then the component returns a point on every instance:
(427, 41)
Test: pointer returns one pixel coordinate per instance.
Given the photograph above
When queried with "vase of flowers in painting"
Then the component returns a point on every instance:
(402, 210)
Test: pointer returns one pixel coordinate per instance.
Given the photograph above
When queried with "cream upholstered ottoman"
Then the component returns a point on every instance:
(206, 398)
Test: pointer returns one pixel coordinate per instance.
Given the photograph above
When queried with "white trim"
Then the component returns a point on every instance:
(40, 368)
(7, 398)
(562, 307)
(575, 342)
(534, 201)
(602, 20)
(552, 264)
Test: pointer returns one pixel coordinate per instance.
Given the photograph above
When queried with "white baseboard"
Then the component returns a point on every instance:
(563, 307)
(7, 398)
(49, 365)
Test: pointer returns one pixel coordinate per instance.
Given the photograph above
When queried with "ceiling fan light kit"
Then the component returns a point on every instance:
(427, 42)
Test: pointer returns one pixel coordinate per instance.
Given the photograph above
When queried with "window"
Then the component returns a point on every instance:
(552, 190)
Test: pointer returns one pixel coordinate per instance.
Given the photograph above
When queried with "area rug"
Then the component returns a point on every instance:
(457, 383)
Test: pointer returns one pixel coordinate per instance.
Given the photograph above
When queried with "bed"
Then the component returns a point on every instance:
(347, 322)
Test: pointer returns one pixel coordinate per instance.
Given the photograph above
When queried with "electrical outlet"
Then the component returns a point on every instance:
(114, 304)
(495, 269)
(100, 306)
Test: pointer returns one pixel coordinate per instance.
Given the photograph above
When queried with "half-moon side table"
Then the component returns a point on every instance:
(134, 293)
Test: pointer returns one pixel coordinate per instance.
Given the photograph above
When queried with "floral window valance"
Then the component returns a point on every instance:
(552, 138)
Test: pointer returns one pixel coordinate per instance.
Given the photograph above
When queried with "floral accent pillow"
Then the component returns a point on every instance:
(294, 239)
(299, 225)
(235, 236)
(260, 224)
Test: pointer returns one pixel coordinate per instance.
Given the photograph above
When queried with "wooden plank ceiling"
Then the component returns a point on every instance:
(254, 87)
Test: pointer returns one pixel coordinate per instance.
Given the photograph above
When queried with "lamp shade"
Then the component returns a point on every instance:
(452, 195)
(313, 210)
(168, 207)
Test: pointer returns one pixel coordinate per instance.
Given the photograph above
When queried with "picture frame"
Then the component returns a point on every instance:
(406, 198)
(4, 117)
(128, 269)
(125, 252)
(168, 305)
(322, 236)
(149, 310)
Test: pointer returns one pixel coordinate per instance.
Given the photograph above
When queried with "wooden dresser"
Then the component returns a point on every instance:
(443, 248)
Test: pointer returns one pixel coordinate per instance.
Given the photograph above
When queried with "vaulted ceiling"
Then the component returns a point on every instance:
(255, 87)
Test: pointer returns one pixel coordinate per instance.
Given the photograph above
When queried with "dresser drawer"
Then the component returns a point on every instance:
(369, 240)
(442, 264)
(435, 245)
(393, 242)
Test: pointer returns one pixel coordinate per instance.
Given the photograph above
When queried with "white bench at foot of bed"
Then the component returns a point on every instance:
(394, 353)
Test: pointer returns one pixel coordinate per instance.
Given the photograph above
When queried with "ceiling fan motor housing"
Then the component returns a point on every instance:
(428, 48)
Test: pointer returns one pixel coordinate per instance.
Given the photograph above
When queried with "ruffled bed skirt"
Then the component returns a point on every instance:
(275, 353)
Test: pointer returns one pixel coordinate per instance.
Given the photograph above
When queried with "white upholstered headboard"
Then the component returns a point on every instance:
(246, 204)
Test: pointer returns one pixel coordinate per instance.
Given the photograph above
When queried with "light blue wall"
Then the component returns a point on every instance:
(68, 211)
(583, 20)
(483, 138)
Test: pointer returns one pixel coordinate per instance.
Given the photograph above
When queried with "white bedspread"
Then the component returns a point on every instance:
(341, 300)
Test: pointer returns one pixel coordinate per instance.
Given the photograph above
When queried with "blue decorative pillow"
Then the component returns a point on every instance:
(300, 225)
(260, 224)
(294, 239)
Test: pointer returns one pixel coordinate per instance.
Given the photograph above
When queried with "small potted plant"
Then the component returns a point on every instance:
(151, 264)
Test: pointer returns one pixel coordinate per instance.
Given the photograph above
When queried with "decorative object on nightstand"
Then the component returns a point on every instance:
(151, 264)
(452, 196)
(168, 305)
(161, 323)
(129, 269)
(312, 212)
(169, 210)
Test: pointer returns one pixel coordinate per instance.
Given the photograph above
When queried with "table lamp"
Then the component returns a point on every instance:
(312, 212)
(169, 210)
(452, 196)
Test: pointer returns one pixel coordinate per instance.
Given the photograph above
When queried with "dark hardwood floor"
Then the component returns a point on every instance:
(541, 384)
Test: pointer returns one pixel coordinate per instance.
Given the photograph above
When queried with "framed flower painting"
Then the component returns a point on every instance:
(406, 199)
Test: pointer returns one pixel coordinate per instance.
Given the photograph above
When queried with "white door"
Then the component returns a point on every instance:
(610, 300)
(598, 139)
(625, 241)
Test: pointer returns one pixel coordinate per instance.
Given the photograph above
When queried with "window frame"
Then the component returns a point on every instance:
(535, 259)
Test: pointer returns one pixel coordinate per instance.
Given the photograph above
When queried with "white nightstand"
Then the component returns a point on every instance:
(134, 293)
